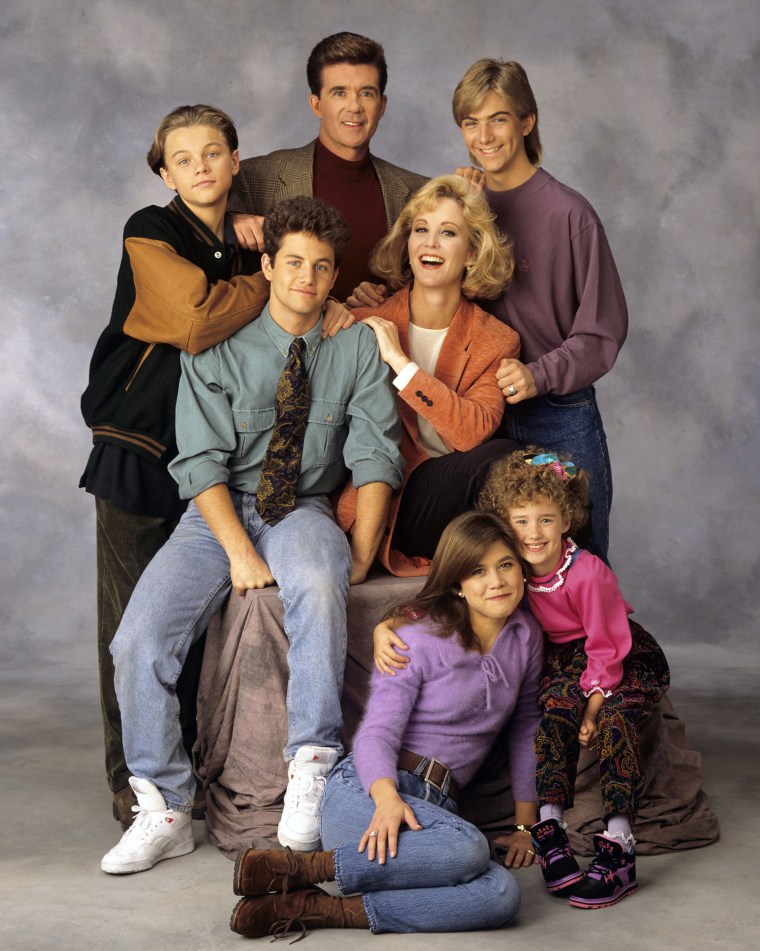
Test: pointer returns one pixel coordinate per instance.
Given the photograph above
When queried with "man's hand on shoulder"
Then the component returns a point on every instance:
(367, 295)
(249, 231)
(474, 176)
(336, 317)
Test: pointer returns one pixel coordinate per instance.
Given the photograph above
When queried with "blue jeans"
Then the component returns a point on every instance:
(176, 597)
(441, 879)
(570, 423)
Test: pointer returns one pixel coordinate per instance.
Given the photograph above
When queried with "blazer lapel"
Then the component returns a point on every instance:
(455, 352)
(297, 174)
(395, 190)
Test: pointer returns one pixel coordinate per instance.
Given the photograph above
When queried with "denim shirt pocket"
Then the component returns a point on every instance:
(325, 433)
(250, 426)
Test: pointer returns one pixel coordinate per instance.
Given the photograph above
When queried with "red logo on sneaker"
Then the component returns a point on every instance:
(168, 819)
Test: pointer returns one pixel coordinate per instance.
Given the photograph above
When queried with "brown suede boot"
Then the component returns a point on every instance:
(280, 915)
(258, 871)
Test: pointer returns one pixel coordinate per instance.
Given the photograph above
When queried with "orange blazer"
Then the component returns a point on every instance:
(462, 402)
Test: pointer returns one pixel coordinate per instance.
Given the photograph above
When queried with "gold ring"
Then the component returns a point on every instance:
(530, 853)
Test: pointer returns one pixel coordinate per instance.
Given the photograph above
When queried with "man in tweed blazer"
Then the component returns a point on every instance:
(267, 179)
(347, 75)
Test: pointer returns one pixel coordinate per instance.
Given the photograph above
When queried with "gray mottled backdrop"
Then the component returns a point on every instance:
(648, 108)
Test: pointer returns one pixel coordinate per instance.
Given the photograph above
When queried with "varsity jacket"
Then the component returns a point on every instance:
(176, 290)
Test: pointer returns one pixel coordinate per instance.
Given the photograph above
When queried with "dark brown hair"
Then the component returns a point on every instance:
(310, 215)
(459, 551)
(345, 48)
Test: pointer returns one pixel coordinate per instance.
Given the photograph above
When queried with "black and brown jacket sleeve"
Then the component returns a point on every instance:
(175, 304)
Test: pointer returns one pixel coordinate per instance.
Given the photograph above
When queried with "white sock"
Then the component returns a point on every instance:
(550, 810)
(619, 827)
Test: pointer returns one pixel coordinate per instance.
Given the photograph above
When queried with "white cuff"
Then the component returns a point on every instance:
(604, 693)
(406, 375)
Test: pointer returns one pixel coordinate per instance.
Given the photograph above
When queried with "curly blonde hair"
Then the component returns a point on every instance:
(491, 272)
(513, 482)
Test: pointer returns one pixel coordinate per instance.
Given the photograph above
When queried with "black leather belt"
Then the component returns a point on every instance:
(431, 771)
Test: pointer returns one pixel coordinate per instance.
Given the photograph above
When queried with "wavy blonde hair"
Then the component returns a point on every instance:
(487, 277)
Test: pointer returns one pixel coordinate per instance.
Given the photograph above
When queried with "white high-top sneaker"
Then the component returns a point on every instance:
(157, 833)
(307, 774)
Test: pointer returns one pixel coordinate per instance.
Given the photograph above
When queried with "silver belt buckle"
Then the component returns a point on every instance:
(442, 787)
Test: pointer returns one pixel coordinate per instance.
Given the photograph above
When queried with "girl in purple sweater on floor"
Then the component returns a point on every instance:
(603, 673)
(389, 815)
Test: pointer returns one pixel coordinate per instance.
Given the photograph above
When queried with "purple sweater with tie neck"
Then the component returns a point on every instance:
(451, 703)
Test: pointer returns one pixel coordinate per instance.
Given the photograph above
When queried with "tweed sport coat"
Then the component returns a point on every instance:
(266, 179)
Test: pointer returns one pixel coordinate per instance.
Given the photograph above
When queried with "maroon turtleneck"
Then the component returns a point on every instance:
(354, 189)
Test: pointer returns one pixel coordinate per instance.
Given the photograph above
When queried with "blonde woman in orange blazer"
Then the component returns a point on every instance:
(444, 352)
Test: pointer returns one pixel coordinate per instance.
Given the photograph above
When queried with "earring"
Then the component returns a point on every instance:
(460, 594)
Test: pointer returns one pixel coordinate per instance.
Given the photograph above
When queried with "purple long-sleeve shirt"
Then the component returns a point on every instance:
(451, 703)
(565, 299)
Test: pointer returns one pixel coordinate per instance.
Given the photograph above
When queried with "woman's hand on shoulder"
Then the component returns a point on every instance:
(391, 812)
(367, 295)
(387, 659)
(388, 343)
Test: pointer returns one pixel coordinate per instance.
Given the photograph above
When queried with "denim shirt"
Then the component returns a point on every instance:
(226, 409)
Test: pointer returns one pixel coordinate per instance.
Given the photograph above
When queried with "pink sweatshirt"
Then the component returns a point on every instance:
(587, 603)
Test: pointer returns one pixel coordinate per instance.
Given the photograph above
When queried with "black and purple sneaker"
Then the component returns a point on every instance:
(558, 865)
(609, 878)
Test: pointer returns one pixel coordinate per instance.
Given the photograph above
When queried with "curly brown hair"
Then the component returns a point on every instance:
(512, 482)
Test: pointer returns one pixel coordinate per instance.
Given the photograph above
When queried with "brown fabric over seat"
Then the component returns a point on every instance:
(242, 731)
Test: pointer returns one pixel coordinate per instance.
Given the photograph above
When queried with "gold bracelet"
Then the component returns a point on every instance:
(519, 828)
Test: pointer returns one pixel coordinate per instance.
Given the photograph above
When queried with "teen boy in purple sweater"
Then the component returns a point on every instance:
(565, 299)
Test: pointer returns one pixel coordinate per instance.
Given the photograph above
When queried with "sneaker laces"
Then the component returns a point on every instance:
(603, 867)
(142, 823)
(556, 852)
(305, 792)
